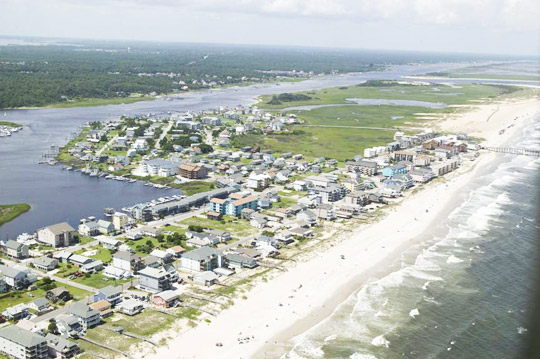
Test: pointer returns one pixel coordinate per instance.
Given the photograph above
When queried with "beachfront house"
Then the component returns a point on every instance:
(60, 347)
(109, 293)
(154, 280)
(87, 316)
(200, 260)
(22, 344)
(57, 235)
(390, 171)
(166, 299)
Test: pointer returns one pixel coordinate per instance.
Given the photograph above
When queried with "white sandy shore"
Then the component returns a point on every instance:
(327, 279)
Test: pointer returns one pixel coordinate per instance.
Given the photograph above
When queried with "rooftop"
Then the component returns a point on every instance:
(21, 336)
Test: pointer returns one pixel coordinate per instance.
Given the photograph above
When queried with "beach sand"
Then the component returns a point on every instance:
(295, 300)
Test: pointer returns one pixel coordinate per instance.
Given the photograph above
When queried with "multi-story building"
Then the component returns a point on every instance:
(391, 171)
(368, 168)
(358, 198)
(200, 260)
(22, 344)
(88, 317)
(154, 279)
(120, 220)
(192, 171)
(127, 261)
(233, 206)
(331, 193)
(57, 235)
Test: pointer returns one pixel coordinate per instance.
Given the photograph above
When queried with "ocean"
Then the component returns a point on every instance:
(463, 294)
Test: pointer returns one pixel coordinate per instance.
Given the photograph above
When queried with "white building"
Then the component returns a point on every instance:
(57, 235)
(22, 344)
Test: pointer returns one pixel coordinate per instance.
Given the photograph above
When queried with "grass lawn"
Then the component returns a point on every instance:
(193, 187)
(103, 254)
(98, 280)
(9, 212)
(146, 323)
(237, 227)
(85, 239)
(284, 202)
(14, 298)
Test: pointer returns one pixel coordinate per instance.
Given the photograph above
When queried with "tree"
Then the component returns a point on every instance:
(52, 328)
(206, 148)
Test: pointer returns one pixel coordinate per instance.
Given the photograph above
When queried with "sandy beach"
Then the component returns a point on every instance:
(295, 300)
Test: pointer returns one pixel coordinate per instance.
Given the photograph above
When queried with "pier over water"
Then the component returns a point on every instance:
(514, 151)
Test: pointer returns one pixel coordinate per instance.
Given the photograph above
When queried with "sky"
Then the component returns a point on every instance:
(510, 27)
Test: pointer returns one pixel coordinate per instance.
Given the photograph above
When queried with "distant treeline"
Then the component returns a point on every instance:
(42, 75)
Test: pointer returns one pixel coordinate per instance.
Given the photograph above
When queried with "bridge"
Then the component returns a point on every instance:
(514, 151)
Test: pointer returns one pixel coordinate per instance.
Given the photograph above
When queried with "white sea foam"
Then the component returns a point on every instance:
(362, 356)
(380, 341)
(330, 338)
(380, 314)
(414, 313)
(453, 260)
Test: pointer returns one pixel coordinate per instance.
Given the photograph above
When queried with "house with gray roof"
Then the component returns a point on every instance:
(166, 299)
(14, 277)
(60, 347)
(22, 344)
(45, 263)
(237, 260)
(69, 325)
(16, 249)
(109, 293)
(87, 316)
(16, 312)
(39, 304)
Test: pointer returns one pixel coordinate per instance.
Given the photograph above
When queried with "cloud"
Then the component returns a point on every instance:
(512, 14)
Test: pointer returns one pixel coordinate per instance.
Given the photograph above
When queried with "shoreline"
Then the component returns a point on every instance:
(331, 279)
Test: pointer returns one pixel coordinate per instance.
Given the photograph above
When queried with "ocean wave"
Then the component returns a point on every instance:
(330, 338)
(453, 260)
(380, 341)
(362, 356)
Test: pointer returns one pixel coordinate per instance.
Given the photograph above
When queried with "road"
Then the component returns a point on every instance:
(163, 134)
(105, 146)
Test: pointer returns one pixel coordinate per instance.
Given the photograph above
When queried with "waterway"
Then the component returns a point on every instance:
(57, 195)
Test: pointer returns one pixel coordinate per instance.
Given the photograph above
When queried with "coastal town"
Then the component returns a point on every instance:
(236, 214)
